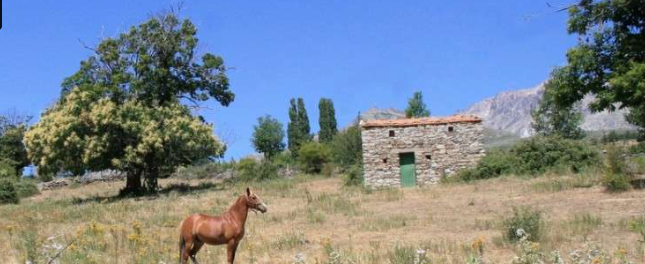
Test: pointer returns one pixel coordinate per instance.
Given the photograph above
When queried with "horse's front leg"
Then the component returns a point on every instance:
(231, 247)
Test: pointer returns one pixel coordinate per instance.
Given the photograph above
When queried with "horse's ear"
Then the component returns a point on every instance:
(248, 191)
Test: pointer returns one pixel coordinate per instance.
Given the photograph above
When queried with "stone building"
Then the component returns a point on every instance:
(419, 151)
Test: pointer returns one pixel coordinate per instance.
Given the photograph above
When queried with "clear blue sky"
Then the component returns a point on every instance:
(362, 54)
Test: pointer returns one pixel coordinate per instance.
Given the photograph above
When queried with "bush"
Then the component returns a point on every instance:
(250, 170)
(616, 178)
(524, 222)
(328, 170)
(615, 136)
(539, 154)
(8, 193)
(283, 159)
(616, 182)
(492, 165)
(354, 176)
(615, 161)
(638, 148)
(347, 147)
(45, 177)
(26, 188)
(7, 170)
(533, 157)
(312, 156)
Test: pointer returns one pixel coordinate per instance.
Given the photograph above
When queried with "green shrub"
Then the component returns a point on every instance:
(8, 193)
(283, 159)
(616, 182)
(354, 176)
(614, 136)
(492, 165)
(7, 170)
(250, 170)
(616, 178)
(615, 161)
(328, 170)
(26, 188)
(539, 154)
(347, 147)
(524, 222)
(45, 177)
(637, 225)
(638, 148)
(312, 156)
(534, 156)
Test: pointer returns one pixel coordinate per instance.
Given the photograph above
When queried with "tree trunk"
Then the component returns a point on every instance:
(133, 184)
(151, 184)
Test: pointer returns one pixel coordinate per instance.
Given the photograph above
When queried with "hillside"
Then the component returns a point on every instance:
(317, 219)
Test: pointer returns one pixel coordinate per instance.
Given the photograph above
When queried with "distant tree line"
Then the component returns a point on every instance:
(334, 147)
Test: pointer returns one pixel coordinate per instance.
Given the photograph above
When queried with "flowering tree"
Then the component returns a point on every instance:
(124, 109)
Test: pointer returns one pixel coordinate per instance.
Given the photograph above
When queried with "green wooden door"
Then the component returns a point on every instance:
(408, 175)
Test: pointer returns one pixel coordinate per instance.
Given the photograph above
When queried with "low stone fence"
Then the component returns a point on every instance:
(90, 177)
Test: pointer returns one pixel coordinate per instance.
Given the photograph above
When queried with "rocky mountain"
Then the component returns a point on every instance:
(385, 113)
(511, 112)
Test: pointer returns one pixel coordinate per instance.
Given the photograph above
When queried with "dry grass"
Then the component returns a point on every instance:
(321, 220)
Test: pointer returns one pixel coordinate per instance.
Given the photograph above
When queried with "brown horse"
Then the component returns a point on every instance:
(227, 228)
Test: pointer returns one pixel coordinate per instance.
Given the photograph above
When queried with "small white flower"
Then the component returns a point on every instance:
(299, 258)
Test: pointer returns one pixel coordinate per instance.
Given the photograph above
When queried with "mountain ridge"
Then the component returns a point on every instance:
(510, 112)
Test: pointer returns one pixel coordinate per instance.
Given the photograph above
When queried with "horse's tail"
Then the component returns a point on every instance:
(182, 246)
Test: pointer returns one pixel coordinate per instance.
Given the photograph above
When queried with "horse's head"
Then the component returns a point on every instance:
(254, 202)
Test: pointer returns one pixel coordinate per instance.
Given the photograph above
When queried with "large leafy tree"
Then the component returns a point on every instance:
(155, 63)
(551, 119)
(126, 108)
(298, 129)
(609, 60)
(327, 120)
(268, 136)
(416, 106)
(87, 132)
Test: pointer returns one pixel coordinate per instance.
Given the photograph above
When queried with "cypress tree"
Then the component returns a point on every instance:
(327, 120)
(416, 106)
(303, 119)
(298, 129)
(293, 129)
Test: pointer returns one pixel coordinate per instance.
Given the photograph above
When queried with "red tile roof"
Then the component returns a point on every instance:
(405, 122)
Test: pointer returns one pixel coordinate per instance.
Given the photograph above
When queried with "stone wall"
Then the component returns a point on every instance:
(437, 151)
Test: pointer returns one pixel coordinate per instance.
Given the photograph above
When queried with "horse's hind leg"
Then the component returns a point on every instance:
(188, 245)
(197, 245)
(185, 252)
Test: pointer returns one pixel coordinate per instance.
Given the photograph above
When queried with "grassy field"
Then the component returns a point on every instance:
(315, 220)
